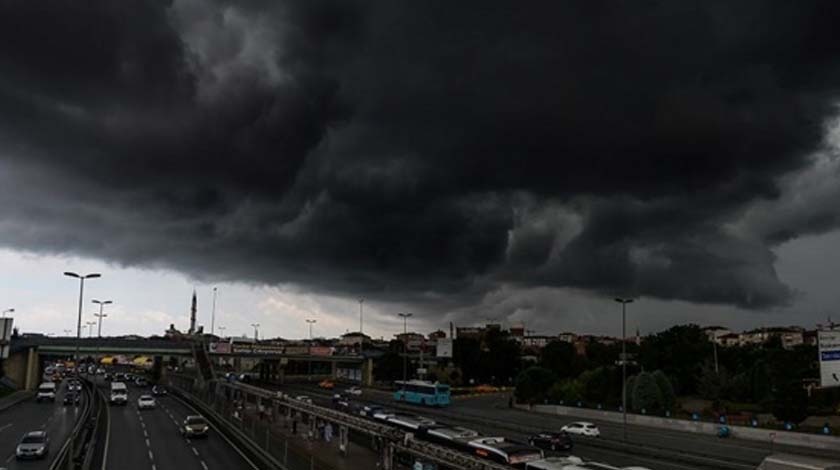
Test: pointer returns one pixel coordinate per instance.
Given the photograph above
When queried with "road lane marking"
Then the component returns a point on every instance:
(153, 467)
(151, 455)
(10, 458)
(145, 434)
(195, 451)
(204, 465)
(6, 426)
(148, 444)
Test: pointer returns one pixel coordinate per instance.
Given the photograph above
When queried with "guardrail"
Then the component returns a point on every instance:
(63, 458)
(256, 457)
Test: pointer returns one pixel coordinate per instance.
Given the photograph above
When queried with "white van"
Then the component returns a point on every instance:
(46, 391)
(119, 393)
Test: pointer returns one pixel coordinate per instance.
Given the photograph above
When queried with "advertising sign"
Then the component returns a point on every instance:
(829, 351)
(219, 348)
(5, 336)
(320, 351)
(444, 347)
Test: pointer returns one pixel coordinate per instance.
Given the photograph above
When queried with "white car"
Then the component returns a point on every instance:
(582, 428)
(146, 402)
(304, 399)
(354, 391)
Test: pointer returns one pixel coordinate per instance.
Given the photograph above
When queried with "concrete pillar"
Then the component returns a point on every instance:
(343, 439)
(367, 372)
(333, 370)
(387, 456)
(31, 381)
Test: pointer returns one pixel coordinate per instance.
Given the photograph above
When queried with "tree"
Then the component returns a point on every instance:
(711, 384)
(569, 391)
(680, 352)
(669, 398)
(790, 402)
(466, 354)
(646, 394)
(533, 383)
(561, 358)
(389, 367)
(501, 359)
(629, 385)
(601, 385)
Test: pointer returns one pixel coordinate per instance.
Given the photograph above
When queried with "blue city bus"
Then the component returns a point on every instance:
(421, 392)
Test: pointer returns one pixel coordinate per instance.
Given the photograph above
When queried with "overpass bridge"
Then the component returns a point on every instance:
(28, 355)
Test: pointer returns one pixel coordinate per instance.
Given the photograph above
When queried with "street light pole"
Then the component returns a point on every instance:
(624, 303)
(361, 324)
(8, 310)
(222, 329)
(256, 331)
(405, 317)
(213, 315)
(81, 279)
(309, 362)
(100, 315)
(90, 325)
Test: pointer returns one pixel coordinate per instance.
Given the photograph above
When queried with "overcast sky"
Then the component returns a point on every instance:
(463, 161)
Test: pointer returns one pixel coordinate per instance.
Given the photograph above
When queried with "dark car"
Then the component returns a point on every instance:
(159, 391)
(71, 398)
(109, 377)
(551, 440)
(195, 426)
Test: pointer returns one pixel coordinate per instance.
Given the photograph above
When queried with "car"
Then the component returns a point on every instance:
(195, 426)
(119, 377)
(74, 386)
(33, 445)
(108, 377)
(369, 411)
(71, 398)
(551, 440)
(141, 382)
(159, 391)
(327, 384)
(146, 402)
(582, 428)
(304, 399)
(100, 371)
(353, 391)
(46, 391)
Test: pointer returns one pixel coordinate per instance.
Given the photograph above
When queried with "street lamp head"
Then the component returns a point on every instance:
(102, 302)
(623, 301)
(72, 274)
(92, 276)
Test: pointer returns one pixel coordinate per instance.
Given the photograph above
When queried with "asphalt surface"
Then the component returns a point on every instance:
(652, 448)
(55, 418)
(150, 440)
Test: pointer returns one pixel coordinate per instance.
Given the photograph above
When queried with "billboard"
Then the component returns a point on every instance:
(320, 351)
(219, 348)
(829, 355)
(444, 347)
(5, 336)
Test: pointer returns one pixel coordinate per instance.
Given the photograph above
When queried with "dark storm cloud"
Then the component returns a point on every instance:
(414, 150)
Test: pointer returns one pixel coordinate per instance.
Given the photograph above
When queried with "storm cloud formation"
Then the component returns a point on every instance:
(422, 150)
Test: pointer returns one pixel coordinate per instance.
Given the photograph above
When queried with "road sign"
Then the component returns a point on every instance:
(829, 355)
(444, 347)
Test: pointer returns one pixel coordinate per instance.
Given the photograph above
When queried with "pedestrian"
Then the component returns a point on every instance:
(328, 432)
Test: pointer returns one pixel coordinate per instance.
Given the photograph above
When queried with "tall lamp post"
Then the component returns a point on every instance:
(309, 362)
(624, 302)
(256, 331)
(81, 279)
(222, 329)
(100, 315)
(361, 324)
(405, 317)
(8, 310)
(213, 315)
(90, 325)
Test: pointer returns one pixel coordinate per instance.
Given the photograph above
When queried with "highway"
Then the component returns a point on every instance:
(652, 448)
(150, 440)
(55, 418)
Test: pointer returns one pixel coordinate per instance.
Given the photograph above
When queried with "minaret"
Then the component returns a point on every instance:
(192, 314)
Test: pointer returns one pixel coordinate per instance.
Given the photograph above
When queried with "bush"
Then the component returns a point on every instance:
(790, 403)
(646, 394)
(669, 398)
(569, 391)
(628, 387)
(533, 384)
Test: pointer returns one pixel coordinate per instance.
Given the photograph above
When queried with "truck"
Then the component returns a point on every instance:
(119, 393)
(796, 462)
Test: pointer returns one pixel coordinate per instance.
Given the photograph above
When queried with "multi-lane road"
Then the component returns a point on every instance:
(657, 449)
(150, 439)
(55, 418)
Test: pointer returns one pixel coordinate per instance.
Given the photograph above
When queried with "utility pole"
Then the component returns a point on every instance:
(213, 315)
(405, 317)
(309, 362)
(361, 330)
(624, 303)
(100, 315)
(256, 331)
